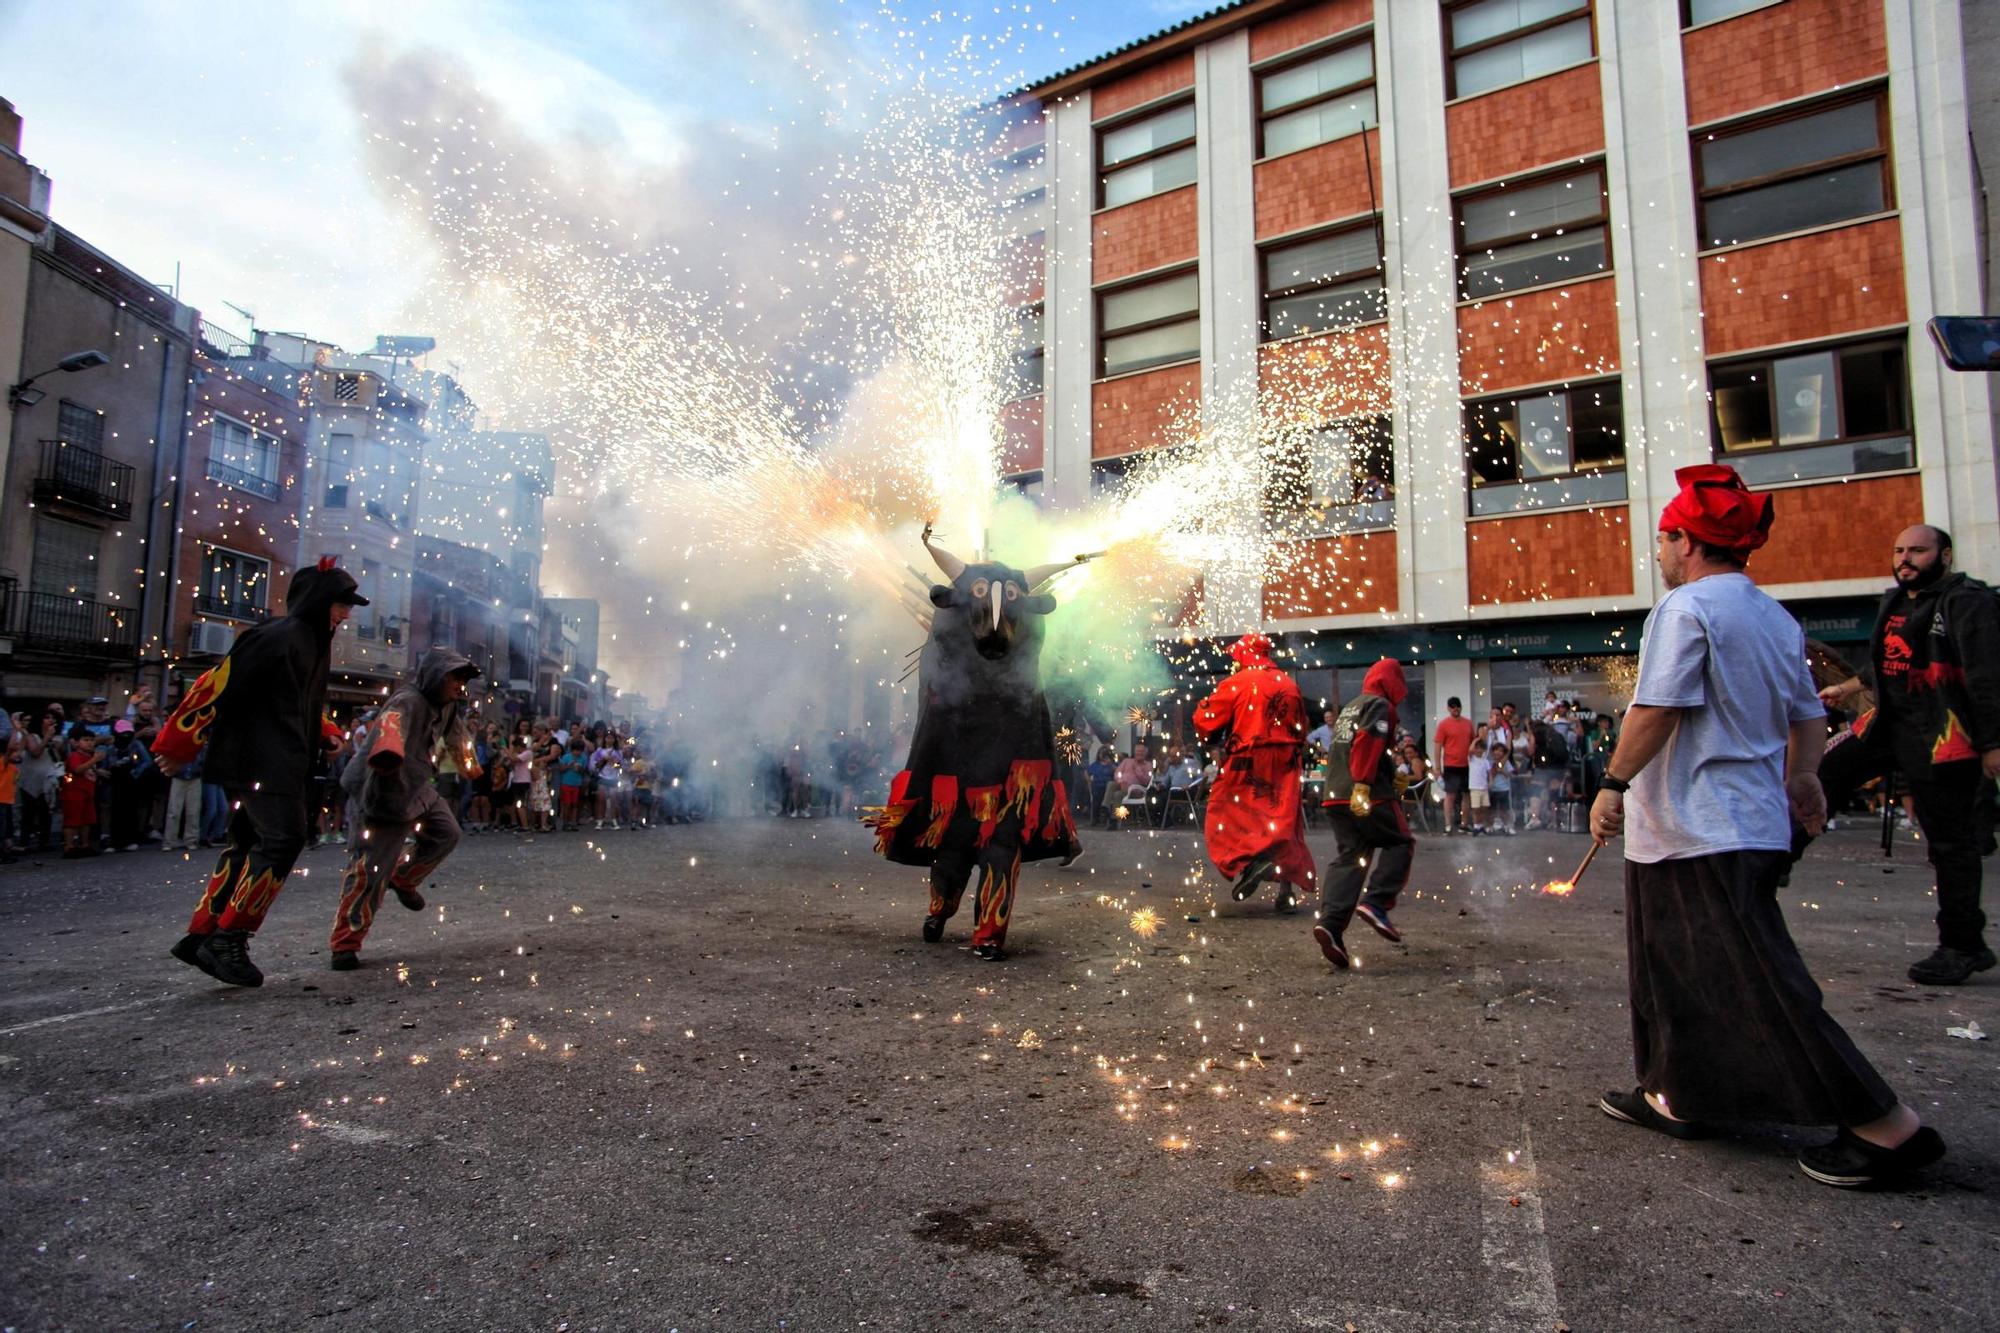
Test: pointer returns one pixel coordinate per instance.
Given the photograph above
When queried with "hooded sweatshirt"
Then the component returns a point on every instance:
(259, 711)
(419, 717)
(1937, 673)
(1362, 732)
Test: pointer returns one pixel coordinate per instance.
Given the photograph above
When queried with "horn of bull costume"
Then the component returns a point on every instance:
(979, 790)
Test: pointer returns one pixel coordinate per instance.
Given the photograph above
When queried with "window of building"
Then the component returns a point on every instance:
(234, 585)
(339, 470)
(65, 558)
(1338, 478)
(1028, 354)
(1527, 233)
(1137, 159)
(1708, 11)
(1329, 281)
(1027, 485)
(1153, 323)
(244, 457)
(1318, 99)
(1498, 42)
(1820, 412)
(1108, 475)
(79, 425)
(1802, 169)
(1546, 449)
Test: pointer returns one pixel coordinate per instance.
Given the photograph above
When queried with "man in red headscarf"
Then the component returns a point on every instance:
(1253, 829)
(1373, 845)
(1724, 734)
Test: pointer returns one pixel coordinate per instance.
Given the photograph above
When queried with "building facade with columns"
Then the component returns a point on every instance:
(1529, 259)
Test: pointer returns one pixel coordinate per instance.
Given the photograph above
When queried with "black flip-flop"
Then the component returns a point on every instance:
(1633, 1108)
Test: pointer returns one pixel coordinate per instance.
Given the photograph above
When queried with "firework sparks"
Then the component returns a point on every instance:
(1145, 923)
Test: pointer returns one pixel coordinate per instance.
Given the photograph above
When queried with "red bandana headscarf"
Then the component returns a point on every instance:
(1252, 650)
(1715, 507)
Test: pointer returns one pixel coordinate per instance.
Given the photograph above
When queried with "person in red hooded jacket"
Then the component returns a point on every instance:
(1374, 848)
(1253, 813)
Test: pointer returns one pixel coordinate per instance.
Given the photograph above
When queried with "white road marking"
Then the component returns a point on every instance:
(1512, 1242)
(80, 1014)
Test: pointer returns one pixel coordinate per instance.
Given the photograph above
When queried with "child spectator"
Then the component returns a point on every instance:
(575, 770)
(79, 795)
(1479, 786)
(1500, 790)
(541, 800)
(184, 811)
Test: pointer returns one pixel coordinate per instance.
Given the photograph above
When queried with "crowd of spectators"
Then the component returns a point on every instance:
(90, 785)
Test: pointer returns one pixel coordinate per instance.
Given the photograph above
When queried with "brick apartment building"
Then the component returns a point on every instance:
(88, 487)
(242, 485)
(1565, 249)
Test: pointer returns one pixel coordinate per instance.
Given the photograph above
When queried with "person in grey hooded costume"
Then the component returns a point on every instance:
(390, 782)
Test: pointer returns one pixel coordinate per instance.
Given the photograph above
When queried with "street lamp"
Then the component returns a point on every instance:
(20, 395)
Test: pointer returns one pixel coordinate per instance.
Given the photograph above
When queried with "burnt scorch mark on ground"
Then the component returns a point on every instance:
(983, 1231)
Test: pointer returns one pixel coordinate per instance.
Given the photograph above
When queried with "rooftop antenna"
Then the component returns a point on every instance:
(248, 315)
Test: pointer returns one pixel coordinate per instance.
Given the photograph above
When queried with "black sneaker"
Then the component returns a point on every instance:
(344, 960)
(188, 950)
(409, 898)
(1633, 1108)
(1288, 902)
(1854, 1163)
(933, 929)
(225, 955)
(1071, 858)
(1378, 921)
(991, 953)
(1331, 945)
(1253, 874)
(1950, 967)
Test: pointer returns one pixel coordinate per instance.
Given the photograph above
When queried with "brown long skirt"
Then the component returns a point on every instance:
(1727, 1023)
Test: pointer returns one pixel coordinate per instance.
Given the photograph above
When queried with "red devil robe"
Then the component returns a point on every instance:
(1254, 807)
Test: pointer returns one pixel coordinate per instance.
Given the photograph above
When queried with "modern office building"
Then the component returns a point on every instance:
(1530, 256)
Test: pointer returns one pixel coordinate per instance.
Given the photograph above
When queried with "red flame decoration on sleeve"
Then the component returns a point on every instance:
(186, 731)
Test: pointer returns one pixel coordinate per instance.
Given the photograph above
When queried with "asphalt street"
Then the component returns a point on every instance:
(710, 1078)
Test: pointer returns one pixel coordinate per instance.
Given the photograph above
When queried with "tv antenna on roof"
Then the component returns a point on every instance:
(247, 314)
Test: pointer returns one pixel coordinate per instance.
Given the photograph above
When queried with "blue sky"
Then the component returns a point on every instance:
(232, 143)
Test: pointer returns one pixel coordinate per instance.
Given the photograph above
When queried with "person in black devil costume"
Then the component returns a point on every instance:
(979, 789)
(261, 714)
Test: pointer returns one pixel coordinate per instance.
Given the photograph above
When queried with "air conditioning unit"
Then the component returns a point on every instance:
(211, 639)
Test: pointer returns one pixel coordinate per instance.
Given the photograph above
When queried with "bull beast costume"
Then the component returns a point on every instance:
(1253, 823)
(979, 790)
(392, 788)
(260, 712)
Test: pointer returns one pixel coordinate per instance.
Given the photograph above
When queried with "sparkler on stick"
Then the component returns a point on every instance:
(1562, 888)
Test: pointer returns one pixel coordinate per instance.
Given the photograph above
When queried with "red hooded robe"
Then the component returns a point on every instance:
(1254, 808)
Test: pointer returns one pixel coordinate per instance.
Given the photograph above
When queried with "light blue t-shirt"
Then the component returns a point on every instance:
(1734, 662)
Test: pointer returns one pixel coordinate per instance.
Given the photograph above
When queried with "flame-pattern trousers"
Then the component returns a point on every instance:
(265, 836)
(999, 867)
(379, 860)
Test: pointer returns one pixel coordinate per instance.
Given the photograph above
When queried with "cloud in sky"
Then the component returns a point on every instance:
(247, 152)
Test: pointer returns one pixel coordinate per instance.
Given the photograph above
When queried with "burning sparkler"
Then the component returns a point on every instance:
(1562, 888)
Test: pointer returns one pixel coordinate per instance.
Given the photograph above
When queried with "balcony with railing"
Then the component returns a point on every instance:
(62, 623)
(229, 608)
(74, 476)
(267, 487)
